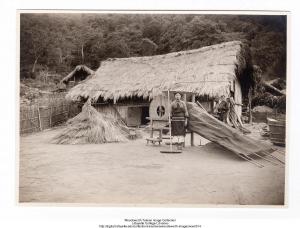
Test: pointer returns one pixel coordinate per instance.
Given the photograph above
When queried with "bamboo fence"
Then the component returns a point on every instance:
(46, 114)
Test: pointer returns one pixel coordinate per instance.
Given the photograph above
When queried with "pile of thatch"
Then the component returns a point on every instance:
(90, 126)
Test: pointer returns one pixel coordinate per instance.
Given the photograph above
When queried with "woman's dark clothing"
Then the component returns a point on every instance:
(178, 115)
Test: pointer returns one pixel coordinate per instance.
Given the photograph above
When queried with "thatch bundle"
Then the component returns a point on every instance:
(90, 126)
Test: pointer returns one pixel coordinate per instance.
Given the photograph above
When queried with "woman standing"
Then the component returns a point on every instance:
(179, 115)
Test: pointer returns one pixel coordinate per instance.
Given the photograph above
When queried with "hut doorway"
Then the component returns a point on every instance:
(79, 75)
(145, 114)
(137, 116)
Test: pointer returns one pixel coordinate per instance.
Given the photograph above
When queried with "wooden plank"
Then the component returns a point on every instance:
(154, 139)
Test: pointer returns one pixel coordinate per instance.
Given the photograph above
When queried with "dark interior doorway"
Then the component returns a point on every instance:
(145, 113)
(80, 75)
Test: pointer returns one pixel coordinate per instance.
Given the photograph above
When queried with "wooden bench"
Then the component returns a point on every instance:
(154, 140)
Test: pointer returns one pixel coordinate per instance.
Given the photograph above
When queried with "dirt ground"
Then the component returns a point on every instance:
(137, 174)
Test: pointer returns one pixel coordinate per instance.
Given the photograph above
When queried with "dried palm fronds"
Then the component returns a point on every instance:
(90, 126)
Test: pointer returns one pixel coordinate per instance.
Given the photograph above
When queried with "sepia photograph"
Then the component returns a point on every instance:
(142, 108)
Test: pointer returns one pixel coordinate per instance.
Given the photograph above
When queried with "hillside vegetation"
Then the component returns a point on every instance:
(57, 42)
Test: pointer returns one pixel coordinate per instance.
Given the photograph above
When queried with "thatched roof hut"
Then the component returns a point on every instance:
(80, 73)
(131, 83)
(205, 71)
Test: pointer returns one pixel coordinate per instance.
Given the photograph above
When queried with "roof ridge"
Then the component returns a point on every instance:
(178, 53)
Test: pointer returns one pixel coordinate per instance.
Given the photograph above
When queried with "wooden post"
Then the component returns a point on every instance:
(192, 133)
(250, 106)
(193, 98)
(151, 124)
(50, 116)
(39, 115)
(192, 138)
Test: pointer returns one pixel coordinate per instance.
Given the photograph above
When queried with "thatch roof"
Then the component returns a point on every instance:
(205, 71)
(78, 69)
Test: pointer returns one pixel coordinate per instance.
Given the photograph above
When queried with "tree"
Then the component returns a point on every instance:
(116, 48)
(152, 30)
(35, 39)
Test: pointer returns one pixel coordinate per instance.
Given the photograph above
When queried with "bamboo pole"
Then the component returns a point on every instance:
(276, 158)
(247, 158)
(265, 159)
(250, 106)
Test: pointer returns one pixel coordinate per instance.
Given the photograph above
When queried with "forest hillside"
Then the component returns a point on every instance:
(52, 44)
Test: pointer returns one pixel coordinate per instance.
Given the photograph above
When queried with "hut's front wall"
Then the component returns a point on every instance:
(122, 110)
(161, 101)
(159, 107)
(131, 114)
(134, 116)
(109, 110)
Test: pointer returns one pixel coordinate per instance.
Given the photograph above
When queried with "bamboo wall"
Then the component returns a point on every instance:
(123, 111)
(114, 110)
